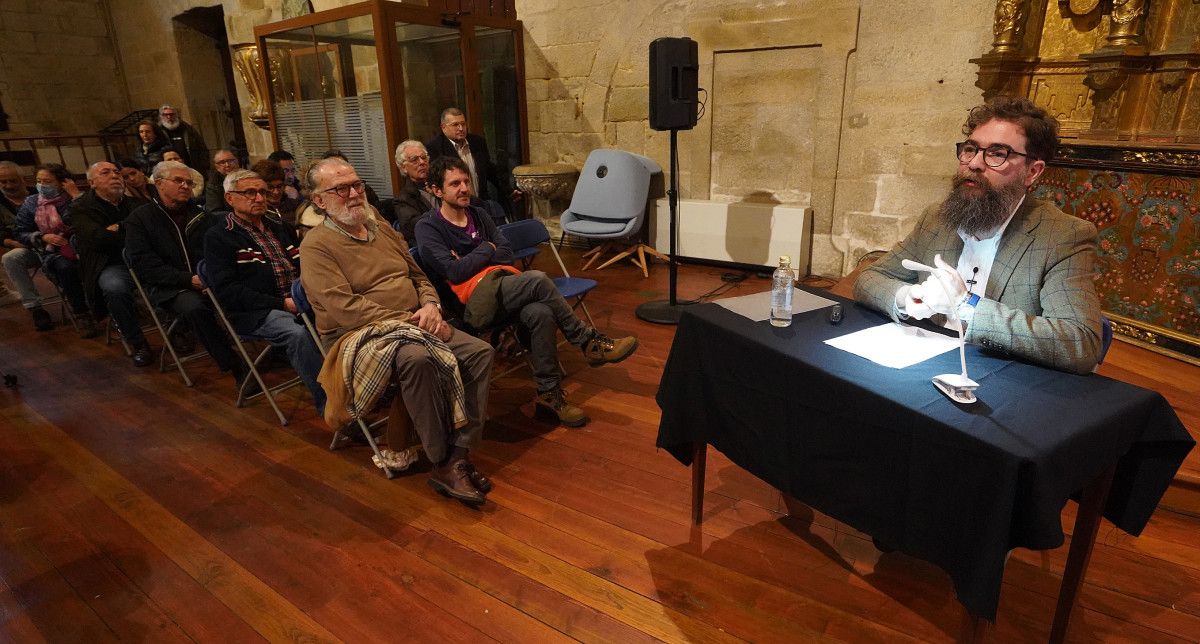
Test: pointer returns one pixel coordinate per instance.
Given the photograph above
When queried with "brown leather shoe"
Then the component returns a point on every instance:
(454, 480)
(553, 404)
(601, 349)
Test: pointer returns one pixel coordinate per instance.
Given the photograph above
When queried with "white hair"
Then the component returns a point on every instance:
(9, 165)
(92, 168)
(164, 167)
(166, 107)
(232, 179)
(317, 166)
(404, 145)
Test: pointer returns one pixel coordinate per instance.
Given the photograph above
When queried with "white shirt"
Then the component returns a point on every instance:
(464, 153)
(975, 261)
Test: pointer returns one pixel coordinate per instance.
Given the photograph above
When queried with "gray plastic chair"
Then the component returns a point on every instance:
(609, 205)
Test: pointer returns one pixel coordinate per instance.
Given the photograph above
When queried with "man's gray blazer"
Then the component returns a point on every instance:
(1040, 303)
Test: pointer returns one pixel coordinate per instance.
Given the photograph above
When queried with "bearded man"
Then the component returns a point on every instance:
(1017, 271)
(361, 281)
(183, 138)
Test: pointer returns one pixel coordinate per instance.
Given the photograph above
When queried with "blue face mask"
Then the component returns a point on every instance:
(49, 192)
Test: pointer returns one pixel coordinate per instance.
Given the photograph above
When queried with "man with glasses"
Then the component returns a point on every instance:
(359, 274)
(183, 138)
(472, 150)
(224, 162)
(1017, 271)
(98, 217)
(165, 239)
(251, 262)
(413, 199)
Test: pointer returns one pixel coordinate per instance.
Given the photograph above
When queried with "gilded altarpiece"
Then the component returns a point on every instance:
(1123, 79)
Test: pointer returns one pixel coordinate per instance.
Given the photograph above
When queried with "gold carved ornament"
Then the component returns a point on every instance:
(250, 69)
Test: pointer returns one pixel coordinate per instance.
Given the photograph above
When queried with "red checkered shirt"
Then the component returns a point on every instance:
(281, 266)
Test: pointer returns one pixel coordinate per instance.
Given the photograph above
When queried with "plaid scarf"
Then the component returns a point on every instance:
(281, 263)
(369, 358)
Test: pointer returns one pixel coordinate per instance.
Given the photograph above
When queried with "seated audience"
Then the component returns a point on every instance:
(458, 241)
(44, 225)
(224, 162)
(98, 217)
(251, 262)
(17, 258)
(279, 206)
(413, 199)
(150, 146)
(136, 185)
(165, 241)
(1017, 271)
(361, 279)
(487, 179)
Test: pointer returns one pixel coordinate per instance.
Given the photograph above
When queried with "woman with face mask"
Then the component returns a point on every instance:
(44, 224)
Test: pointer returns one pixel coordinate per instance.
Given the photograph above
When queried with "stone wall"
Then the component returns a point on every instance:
(59, 71)
(850, 108)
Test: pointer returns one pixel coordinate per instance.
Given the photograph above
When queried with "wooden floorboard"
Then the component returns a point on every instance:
(133, 508)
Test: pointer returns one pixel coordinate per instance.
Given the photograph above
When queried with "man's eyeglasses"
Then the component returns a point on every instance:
(993, 155)
(414, 159)
(180, 181)
(225, 161)
(251, 193)
(343, 190)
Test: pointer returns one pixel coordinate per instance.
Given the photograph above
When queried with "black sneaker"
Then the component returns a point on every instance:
(41, 319)
(142, 355)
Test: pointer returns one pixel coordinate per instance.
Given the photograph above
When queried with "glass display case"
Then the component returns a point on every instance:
(362, 78)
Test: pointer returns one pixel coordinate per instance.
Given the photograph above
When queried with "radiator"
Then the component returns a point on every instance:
(743, 233)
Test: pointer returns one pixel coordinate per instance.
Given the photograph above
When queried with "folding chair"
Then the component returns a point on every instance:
(64, 310)
(530, 233)
(306, 315)
(240, 341)
(156, 315)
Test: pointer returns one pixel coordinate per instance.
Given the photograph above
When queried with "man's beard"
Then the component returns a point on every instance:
(348, 218)
(978, 215)
(169, 126)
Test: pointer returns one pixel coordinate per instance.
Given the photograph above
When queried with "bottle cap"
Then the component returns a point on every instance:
(785, 260)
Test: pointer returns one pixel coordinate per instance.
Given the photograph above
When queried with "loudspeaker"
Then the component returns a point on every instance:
(674, 73)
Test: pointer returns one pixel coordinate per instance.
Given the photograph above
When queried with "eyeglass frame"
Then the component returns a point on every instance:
(257, 192)
(359, 186)
(179, 181)
(958, 150)
(423, 157)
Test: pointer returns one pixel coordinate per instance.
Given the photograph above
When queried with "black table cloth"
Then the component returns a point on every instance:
(883, 451)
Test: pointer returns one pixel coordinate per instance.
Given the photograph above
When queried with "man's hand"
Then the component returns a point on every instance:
(909, 300)
(428, 317)
(54, 239)
(444, 331)
(113, 228)
(197, 283)
(290, 305)
(941, 292)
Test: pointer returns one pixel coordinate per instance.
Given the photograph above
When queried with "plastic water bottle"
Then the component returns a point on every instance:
(781, 292)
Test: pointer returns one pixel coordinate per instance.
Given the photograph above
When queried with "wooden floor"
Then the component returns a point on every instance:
(133, 508)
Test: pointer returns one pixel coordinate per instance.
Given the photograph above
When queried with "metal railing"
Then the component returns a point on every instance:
(74, 151)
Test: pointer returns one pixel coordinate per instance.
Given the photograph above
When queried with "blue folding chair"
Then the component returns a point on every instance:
(527, 234)
(1106, 339)
(239, 341)
(304, 307)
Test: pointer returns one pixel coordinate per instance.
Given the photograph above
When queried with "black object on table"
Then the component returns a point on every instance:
(883, 451)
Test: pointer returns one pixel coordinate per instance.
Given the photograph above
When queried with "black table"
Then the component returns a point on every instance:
(883, 451)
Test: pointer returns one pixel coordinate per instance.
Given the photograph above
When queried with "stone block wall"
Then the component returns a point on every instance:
(878, 94)
(59, 70)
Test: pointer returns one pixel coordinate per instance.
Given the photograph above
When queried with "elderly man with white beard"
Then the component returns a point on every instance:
(183, 138)
(361, 280)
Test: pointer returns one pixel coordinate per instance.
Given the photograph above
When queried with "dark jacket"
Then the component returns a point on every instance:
(240, 274)
(8, 218)
(214, 193)
(436, 237)
(163, 255)
(189, 144)
(407, 208)
(151, 155)
(490, 182)
(97, 246)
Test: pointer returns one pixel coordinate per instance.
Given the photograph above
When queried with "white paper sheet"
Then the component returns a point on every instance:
(757, 306)
(895, 345)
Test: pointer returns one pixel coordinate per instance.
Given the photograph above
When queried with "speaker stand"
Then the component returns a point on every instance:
(670, 310)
